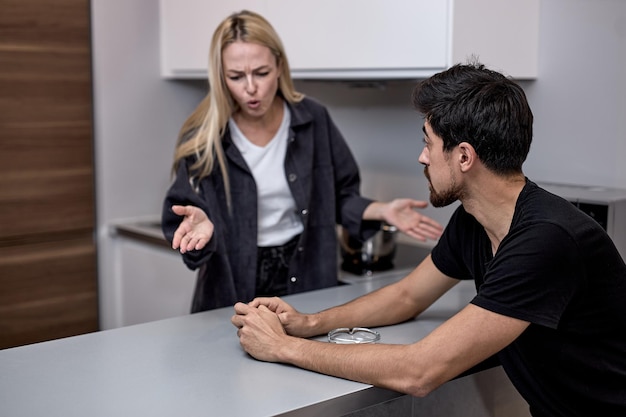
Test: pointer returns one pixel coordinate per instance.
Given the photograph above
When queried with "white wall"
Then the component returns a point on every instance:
(137, 117)
(579, 102)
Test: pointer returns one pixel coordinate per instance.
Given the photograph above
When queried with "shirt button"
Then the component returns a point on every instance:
(300, 248)
(293, 279)
(304, 212)
(292, 177)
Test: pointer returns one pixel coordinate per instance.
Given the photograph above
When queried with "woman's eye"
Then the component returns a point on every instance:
(262, 74)
(234, 77)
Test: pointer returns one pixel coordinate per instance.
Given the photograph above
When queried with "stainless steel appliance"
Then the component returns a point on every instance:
(606, 205)
(375, 254)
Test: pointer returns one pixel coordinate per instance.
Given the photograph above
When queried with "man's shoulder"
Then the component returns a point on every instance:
(538, 204)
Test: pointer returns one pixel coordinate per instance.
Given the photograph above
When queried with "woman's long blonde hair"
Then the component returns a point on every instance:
(201, 133)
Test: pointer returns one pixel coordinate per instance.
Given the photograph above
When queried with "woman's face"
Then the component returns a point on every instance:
(251, 74)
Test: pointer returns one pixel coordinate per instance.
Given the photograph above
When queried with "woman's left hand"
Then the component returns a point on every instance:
(402, 213)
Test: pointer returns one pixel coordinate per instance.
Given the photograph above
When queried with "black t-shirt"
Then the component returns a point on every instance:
(560, 271)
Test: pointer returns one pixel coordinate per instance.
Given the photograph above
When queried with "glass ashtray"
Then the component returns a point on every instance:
(345, 335)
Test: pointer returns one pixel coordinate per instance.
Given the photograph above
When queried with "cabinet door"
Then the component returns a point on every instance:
(48, 289)
(186, 30)
(323, 38)
(154, 282)
(361, 38)
(48, 277)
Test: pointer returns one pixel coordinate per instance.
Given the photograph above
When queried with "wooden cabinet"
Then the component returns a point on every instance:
(48, 280)
(48, 289)
(364, 39)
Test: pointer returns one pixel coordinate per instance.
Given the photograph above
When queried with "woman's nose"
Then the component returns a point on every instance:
(250, 85)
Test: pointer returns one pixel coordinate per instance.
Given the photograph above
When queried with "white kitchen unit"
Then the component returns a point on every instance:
(152, 280)
(364, 39)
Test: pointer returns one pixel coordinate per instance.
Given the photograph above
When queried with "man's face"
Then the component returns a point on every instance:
(444, 189)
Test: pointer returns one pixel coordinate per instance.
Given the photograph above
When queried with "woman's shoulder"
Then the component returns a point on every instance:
(311, 104)
(308, 109)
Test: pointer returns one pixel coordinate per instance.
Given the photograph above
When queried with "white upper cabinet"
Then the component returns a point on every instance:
(364, 39)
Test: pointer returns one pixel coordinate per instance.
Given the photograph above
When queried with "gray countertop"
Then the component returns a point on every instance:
(147, 229)
(193, 366)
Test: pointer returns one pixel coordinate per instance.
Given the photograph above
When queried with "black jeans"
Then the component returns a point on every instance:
(273, 268)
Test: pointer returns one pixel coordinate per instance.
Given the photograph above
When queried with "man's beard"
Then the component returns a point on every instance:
(443, 198)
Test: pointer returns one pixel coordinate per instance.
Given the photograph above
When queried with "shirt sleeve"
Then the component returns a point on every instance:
(534, 276)
(182, 193)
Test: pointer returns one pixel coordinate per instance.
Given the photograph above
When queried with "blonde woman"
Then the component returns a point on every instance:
(262, 177)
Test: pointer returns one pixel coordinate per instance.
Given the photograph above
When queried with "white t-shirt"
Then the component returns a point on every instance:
(277, 218)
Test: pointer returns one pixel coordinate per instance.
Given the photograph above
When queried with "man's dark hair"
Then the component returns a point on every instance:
(470, 103)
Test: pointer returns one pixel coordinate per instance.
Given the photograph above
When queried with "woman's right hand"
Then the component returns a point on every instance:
(194, 232)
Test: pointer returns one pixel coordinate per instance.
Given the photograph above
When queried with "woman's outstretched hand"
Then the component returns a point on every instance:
(194, 232)
(402, 213)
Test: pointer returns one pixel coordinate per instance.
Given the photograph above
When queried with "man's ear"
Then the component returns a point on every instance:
(467, 156)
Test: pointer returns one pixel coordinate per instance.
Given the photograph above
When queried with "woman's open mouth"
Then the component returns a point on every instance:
(253, 104)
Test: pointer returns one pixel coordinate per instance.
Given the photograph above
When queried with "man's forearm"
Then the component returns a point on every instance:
(380, 308)
(380, 365)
